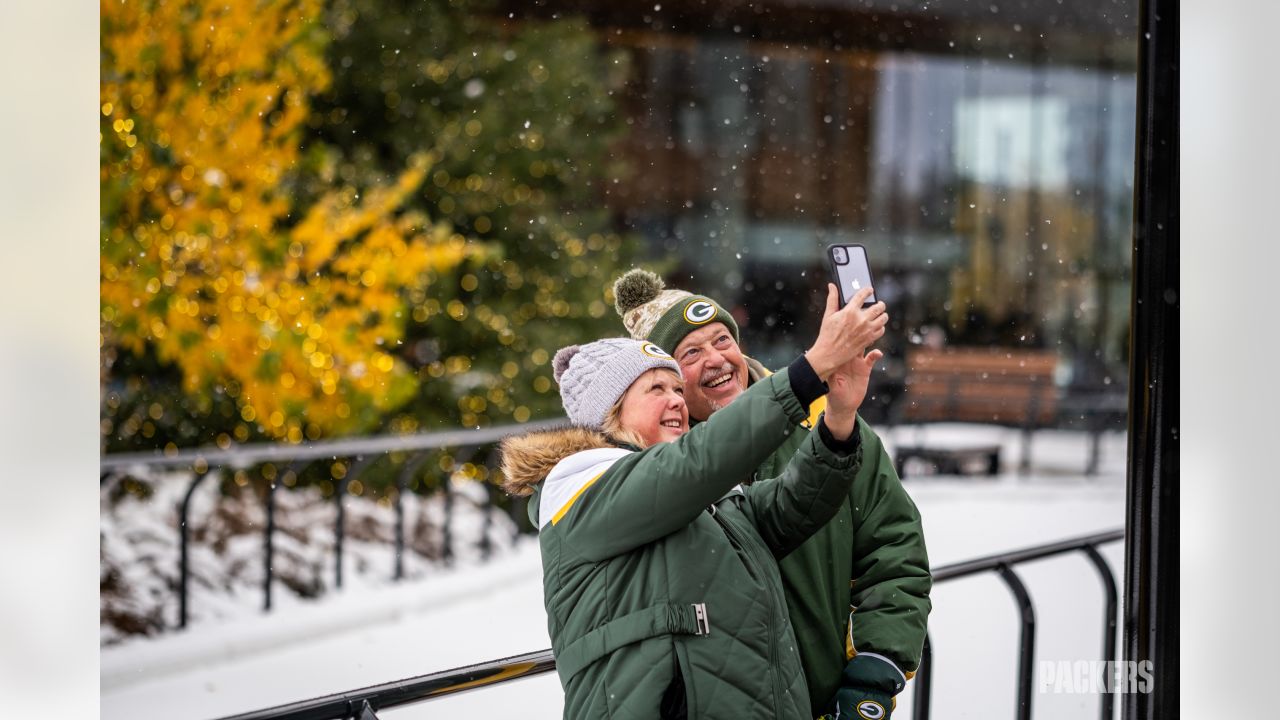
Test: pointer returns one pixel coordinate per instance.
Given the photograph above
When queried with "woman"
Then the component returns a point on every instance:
(660, 580)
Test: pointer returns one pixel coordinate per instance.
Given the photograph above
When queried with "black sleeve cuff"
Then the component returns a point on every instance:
(804, 382)
(842, 448)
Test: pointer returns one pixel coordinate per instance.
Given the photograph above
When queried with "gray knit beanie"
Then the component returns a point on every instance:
(594, 376)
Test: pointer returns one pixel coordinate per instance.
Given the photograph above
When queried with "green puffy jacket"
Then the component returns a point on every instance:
(660, 580)
(869, 559)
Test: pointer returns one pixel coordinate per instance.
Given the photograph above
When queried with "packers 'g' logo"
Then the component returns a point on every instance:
(699, 312)
(871, 710)
(654, 351)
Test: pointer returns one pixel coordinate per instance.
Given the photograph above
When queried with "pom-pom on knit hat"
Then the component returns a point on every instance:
(652, 312)
(594, 376)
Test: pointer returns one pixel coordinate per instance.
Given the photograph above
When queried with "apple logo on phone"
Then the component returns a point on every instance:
(856, 285)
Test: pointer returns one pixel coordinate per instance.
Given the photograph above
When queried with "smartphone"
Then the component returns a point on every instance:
(850, 271)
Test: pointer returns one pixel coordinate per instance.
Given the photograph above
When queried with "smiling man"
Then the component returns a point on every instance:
(858, 590)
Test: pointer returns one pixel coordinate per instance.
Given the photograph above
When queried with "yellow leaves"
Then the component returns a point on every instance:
(301, 324)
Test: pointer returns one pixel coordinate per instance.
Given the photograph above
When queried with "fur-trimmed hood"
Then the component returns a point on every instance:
(527, 459)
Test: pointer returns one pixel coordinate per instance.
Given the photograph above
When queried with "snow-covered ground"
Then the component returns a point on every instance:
(367, 635)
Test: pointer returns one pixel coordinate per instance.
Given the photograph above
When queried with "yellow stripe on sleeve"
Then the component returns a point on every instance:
(815, 410)
(565, 508)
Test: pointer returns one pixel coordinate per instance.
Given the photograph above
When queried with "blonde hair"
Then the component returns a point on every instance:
(612, 425)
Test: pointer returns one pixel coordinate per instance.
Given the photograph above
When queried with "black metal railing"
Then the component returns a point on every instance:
(1003, 564)
(362, 453)
(363, 704)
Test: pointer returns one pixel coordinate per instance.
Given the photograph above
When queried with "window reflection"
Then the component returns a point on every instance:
(982, 153)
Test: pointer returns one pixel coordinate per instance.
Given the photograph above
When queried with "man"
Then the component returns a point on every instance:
(857, 591)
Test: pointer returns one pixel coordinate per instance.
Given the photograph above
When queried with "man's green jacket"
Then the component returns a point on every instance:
(859, 585)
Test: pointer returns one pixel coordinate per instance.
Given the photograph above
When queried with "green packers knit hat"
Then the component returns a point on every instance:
(651, 312)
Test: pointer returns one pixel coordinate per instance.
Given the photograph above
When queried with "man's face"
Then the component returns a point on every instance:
(714, 370)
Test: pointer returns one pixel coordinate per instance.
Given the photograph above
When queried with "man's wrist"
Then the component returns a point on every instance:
(821, 364)
(805, 383)
(839, 436)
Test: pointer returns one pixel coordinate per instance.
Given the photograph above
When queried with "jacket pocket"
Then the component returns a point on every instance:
(684, 676)
(674, 704)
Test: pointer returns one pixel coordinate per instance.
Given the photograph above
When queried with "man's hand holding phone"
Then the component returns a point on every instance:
(846, 332)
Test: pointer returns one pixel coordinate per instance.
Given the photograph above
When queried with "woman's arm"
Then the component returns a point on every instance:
(653, 493)
(791, 507)
(787, 509)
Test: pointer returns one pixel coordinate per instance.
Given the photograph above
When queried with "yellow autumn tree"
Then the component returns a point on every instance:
(209, 268)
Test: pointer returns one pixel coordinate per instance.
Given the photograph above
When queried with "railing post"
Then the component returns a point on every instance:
(1095, 442)
(268, 548)
(519, 514)
(1024, 462)
(364, 711)
(339, 522)
(402, 486)
(1028, 428)
(460, 458)
(924, 681)
(486, 546)
(446, 532)
(1027, 643)
(183, 533)
(1109, 620)
(340, 489)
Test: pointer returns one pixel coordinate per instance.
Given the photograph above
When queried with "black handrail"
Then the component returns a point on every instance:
(1108, 619)
(1026, 641)
(362, 451)
(255, 453)
(184, 538)
(924, 679)
(363, 704)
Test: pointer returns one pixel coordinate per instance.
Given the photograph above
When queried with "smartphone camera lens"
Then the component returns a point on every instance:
(839, 255)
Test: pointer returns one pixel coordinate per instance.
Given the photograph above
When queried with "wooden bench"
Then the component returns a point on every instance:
(1000, 386)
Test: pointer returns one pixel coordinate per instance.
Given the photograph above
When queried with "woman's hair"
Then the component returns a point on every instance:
(612, 425)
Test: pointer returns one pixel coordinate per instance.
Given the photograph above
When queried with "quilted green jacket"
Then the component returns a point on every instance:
(660, 581)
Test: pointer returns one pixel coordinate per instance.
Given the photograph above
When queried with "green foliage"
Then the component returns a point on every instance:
(521, 120)
(493, 141)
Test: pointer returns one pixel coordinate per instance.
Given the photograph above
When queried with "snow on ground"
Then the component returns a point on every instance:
(140, 548)
(370, 635)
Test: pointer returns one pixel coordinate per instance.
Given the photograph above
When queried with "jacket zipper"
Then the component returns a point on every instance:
(763, 577)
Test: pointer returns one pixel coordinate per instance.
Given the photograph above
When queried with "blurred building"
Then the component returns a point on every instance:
(982, 151)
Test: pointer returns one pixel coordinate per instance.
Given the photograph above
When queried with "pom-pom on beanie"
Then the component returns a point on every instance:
(594, 376)
(651, 312)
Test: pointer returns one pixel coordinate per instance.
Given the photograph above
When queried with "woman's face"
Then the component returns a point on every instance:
(653, 407)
